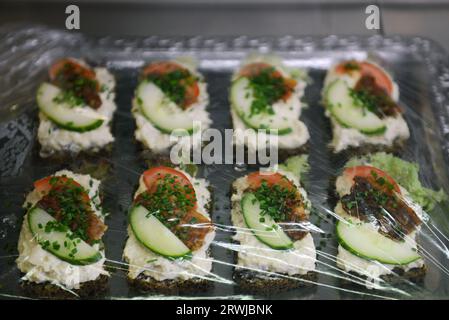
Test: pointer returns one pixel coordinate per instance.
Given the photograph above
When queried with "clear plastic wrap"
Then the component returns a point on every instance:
(418, 65)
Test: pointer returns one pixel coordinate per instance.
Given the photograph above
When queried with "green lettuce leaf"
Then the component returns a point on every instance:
(298, 165)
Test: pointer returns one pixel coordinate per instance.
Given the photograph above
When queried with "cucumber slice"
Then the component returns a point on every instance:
(62, 244)
(165, 116)
(241, 99)
(366, 242)
(341, 105)
(264, 227)
(79, 119)
(152, 234)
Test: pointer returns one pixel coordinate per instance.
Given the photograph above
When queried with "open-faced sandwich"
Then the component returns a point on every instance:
(61, 253)
(361, 100)
(265, 104)
(275, 250)
(377, 226)
(76, 107)
(170, 232)
(170, 106)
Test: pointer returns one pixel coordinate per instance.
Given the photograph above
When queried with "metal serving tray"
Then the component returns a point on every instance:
(419, 66)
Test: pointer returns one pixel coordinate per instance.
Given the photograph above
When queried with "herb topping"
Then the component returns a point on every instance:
(372, 199)
(369, 96)
(173, 204)
(69, 203)
(175, 81)
(268, 87)
(284, 205)
(78, 84)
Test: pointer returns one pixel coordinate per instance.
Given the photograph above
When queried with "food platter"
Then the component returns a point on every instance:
(419, 66)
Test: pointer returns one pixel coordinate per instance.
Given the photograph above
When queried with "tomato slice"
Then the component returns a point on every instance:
(161, 67)
(370, 172)
(75, 67)
(366, 68)
(382, 79)
(254, 69)
(255, 180)
(192, 90)
(153, 176)
(45, 185)
(191, 94)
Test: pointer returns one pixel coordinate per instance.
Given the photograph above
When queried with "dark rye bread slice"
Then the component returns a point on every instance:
(398, 277)
(97, 163)
(283, 154)
(90, 289)
(153, 159)
(147, 284)
(397, 147)
(65, 155)
(263, 283)
(415, 275)
(149, 156)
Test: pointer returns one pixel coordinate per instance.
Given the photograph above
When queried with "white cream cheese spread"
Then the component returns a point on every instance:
(371, 269)
(160, 142)
(39, 265)
(255, 255)
(344, 137)
(142, 260)
(54, 139)
(290, 109)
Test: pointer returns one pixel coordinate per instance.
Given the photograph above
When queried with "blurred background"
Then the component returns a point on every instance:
(237, 17)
